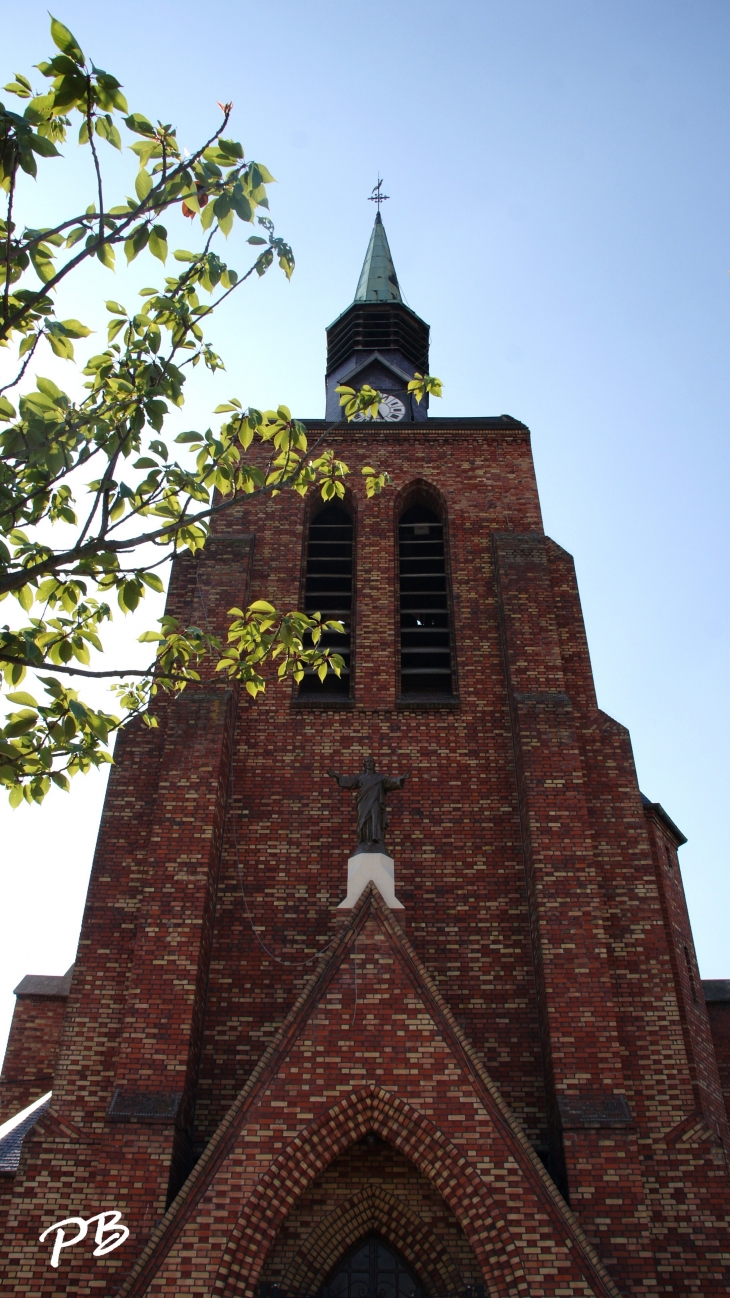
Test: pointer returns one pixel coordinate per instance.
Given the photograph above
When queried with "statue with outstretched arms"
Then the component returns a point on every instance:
(372, 812)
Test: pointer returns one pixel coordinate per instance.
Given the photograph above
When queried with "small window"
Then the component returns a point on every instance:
(426, 666)
(328, 590)
(690, 973)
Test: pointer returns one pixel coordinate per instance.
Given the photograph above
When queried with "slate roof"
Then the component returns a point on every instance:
(716, 989)
(45, 984)
(14, 1131)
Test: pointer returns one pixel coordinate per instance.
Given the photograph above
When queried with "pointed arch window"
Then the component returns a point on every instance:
(373, 1269)
(425, 604)
(328, 590)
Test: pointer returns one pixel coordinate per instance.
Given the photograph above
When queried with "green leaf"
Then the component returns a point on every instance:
(26, 344)
(60, 345)
(105, 253)
(48, 387)
(158, 242)
(66, 43)
(128, 596)
(261, 606)
(264, 173)
(142, 184)
(7, 411)
(256, 238)
(42, 259)
(136, 242)
(46, 148)
(115, 308)
(21, 697)
(75, 329)
(97, 725)
(140, 124)
(230, 148)
(241, 204)
(20, 87)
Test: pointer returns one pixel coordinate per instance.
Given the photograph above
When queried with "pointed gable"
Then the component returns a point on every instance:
(369, 1047)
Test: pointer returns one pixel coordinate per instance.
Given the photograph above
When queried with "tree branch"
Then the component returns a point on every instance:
(6, 295)
(79, 671)
(149, 207)
(25, 364)
(165, 533)
(90, 129)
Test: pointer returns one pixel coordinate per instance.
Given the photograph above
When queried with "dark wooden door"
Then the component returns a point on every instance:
(373, 1270)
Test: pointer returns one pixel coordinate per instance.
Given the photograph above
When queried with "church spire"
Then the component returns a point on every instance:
(378, 281)
(378, 340)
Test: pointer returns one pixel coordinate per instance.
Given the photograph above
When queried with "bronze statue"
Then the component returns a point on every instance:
(372, 813)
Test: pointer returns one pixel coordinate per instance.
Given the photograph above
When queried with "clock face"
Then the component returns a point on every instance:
(390, 409)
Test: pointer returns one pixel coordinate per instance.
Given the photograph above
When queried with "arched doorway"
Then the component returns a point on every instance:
(372, 1269)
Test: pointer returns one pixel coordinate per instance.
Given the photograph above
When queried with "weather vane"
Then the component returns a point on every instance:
(377, 195)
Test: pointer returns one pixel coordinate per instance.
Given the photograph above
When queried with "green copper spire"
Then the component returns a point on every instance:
(378, 280)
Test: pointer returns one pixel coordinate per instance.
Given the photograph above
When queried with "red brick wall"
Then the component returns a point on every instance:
(693, 1013)
(455, 831)
(522, 854)
(719, 1016)
(30, 1057)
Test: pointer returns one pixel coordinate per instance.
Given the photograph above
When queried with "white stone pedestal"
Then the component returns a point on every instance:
(363, 868)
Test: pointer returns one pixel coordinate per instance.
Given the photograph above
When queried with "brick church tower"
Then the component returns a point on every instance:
(467, 1053)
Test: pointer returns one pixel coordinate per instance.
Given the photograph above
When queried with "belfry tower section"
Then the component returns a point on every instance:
(385, 983)
(378, 340)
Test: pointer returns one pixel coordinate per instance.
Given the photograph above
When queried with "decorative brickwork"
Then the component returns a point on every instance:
(330, 1218)
(453, 1127)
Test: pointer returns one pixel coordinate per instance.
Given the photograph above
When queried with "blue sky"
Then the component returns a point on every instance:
(560, 214)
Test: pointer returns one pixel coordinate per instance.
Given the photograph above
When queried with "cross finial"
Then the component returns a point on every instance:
(377, 195)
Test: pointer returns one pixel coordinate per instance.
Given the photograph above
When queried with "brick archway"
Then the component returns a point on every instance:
(373, 1209)
(423, 491)
(415, 1136)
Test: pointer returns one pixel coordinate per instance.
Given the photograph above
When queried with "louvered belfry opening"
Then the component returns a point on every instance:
(426, 666)
(378, 326)
(328, 590)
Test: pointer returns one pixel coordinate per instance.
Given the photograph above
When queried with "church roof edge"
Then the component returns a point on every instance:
(496, 423)
(665, 819)
(372, 303)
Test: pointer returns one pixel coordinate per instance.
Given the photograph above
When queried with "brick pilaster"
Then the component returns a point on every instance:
(590, 1123)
